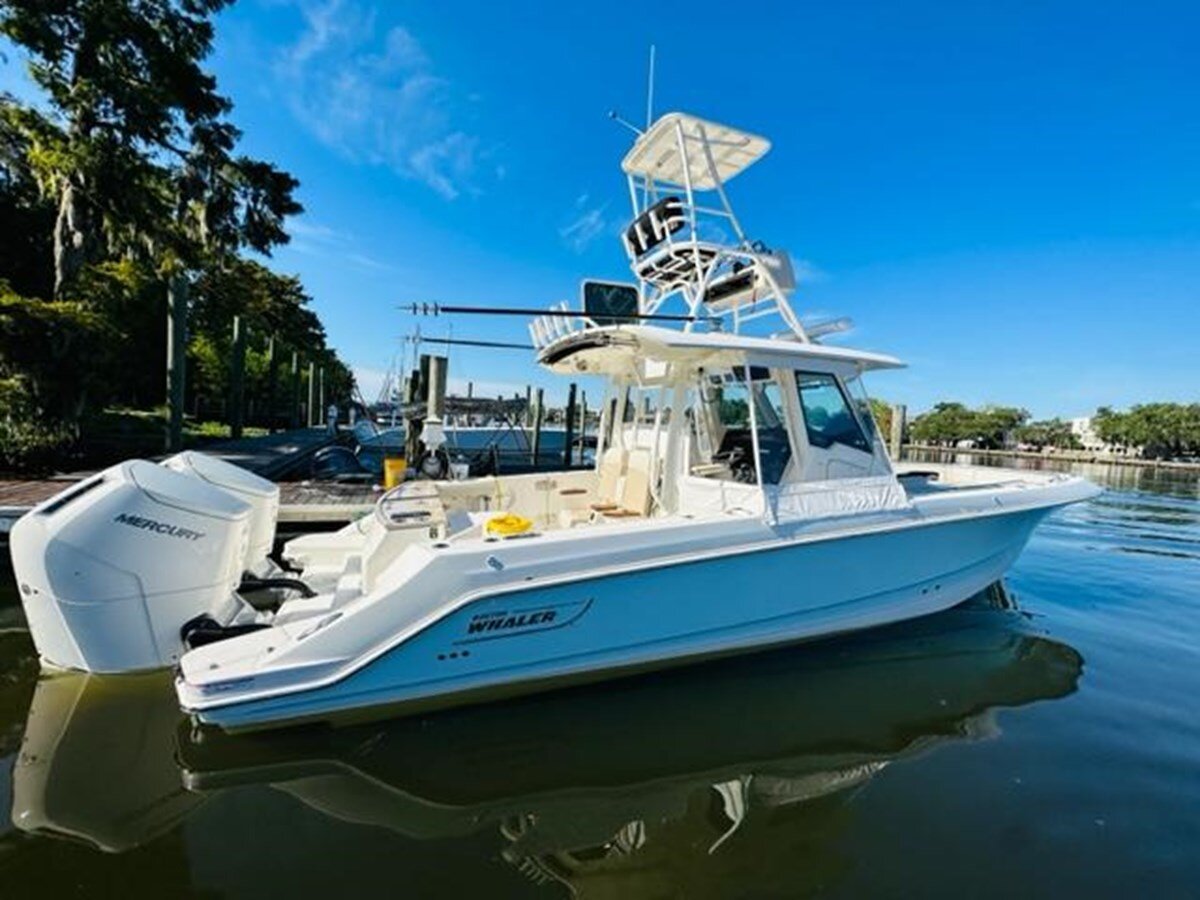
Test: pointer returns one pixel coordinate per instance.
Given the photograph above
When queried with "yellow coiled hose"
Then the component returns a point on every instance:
(507, 524)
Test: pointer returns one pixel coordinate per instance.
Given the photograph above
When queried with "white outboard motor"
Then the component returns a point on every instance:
(262, 495)
(112, 568)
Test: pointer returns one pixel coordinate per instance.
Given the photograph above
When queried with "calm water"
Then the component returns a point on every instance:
(1041, 740)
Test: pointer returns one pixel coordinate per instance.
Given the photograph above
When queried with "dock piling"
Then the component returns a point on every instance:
(569, 426)
(436, 396)
(412, 424)
(582, 424)
(896, 435)
(177, 302)
(537, 427)
(321, 401)
(294, 418)
(272, 380)
(237, 380)
(312, 391)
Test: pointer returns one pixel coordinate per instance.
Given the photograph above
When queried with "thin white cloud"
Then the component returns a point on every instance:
(807, 272)
(363, 261)
(305, 228)
(446, 164)
(315, 239)
(587, 224)
(372, 95)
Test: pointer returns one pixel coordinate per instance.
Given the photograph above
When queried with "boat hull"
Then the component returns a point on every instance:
(600, 627)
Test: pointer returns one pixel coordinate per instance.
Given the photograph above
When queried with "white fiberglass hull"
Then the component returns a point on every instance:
(595, 627)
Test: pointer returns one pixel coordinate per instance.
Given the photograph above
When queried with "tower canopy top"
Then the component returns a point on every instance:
(656, 155)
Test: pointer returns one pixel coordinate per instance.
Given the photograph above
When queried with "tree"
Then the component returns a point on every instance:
(26, 218)
(1048, 433)
(996, 425)
(125, 176)
(948, 423)
(881, 412)
(1161, 430)
(43, 345)
(270, 305)
(136, 153)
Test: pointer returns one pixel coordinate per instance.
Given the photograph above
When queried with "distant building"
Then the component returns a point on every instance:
(1082, 428)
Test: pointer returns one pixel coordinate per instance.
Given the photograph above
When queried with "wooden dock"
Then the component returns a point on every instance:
(300, 502)
(272, 456)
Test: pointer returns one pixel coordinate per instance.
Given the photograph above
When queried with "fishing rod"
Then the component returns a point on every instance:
(435, 309)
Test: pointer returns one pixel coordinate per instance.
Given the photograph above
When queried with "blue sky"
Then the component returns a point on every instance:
(1007, 196)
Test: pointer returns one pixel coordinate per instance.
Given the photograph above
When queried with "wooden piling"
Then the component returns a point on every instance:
(177, 302)
(312, 394)
(272, 380)
(294, 418)
(322, 417)
(569, 427)
(537, 428)
(412, 424)
(237, 380)
(582, 424)
(435, 397)
(896, 436)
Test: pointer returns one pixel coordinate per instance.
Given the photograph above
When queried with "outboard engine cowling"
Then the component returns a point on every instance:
(261, 494)
(110, 569)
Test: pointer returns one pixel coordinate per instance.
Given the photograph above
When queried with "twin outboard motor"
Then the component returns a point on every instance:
(261, 494)
(110, 569)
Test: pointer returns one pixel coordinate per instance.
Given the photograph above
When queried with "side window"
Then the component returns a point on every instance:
(641, 406)
(723, 417)
(827, 415)
(773, 444)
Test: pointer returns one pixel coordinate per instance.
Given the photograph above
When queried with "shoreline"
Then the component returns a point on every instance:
(1070, 456)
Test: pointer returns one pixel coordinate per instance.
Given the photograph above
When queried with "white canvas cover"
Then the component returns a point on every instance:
(837, 497)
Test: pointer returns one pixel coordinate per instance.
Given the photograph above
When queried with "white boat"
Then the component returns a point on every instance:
(741, 498)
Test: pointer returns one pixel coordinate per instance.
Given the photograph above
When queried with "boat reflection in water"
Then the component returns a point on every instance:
(98, 760)
(641, 784)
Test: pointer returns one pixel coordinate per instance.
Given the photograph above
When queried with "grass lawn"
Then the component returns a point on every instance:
(118, 432)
